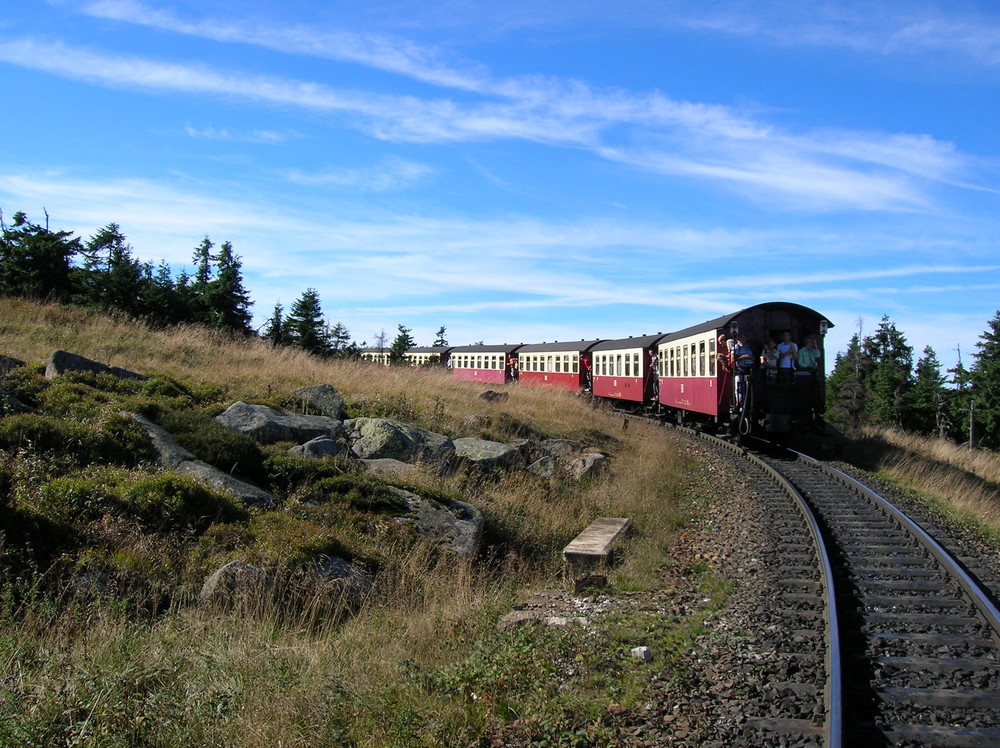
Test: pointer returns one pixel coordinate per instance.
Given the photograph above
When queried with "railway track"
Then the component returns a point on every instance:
(911, 640)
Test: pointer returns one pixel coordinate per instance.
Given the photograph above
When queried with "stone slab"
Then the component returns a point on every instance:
(592, 547)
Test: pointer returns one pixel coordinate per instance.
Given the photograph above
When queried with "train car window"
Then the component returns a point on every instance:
(685, 357)
(559, 364)
(618, 365)
(635, 364)
(711, 357)
(628, 365)
(701, 358)
(548, 364)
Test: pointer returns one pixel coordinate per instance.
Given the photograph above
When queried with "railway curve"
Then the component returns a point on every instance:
(911, 635)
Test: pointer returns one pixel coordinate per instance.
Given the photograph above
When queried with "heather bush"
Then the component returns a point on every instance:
(110, 438)
(208, 440)
(26, 383)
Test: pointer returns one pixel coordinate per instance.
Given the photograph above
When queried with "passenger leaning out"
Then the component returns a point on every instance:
(743, 361)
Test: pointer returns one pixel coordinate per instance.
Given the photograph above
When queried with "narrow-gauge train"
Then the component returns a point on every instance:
(715, 373)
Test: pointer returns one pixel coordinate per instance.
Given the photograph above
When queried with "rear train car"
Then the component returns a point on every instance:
(561, 366)
(700, 381)
(486, 364)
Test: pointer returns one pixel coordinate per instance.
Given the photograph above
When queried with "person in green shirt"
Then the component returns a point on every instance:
(809, 356)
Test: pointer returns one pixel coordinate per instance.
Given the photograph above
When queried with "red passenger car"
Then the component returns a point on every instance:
(698, 381)
(488, 364)
(623, 369)
(562, 366)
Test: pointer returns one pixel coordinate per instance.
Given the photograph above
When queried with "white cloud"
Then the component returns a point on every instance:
(264, 137)
(390, 173)
(708, 142)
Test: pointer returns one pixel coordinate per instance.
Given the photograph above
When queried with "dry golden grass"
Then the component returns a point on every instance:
(963, 484)
(266, 679)
(981, 463)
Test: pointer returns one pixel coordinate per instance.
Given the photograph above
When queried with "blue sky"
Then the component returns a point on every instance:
(529, 170)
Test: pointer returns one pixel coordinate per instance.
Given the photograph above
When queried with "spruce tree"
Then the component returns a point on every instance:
(227, 302)
(199, 310)
(960, 399)
(340, 339)
(890, 379)
(274, 328)
(440, 341)
(305, 326)
(929, 396)
(402, 343)
(111, 278)
(35, 261)
(847, 398)
(985, 380)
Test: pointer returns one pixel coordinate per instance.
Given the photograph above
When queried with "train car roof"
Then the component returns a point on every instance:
(723, 321)
(641, 341)
(505, 348)
(429, 349)
(569, 345)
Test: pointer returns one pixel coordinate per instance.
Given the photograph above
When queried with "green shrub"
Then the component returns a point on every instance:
(44, 434)
(280, 539)
(227, 449)
(103, 381)
(112, 438)
(26, 383)
(163, 386)
(72, 499)
(170, 501)
(396, 406)
(68, 399)
(287, 473)
(361, 492)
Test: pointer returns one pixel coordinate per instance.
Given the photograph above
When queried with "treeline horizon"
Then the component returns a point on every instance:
(874, 382)
(103, 273)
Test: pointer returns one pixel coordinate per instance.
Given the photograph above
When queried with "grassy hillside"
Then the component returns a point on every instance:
(960, 484)
(101, 557)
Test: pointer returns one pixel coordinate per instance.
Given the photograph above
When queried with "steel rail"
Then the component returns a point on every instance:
(966, 581)
(834, 690)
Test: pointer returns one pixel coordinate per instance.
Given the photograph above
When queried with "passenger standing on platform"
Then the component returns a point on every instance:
(588, 374)
(743, 361)
(809, 356)
(769, 359)
(724, 356)
(743, 356)
(788, 354)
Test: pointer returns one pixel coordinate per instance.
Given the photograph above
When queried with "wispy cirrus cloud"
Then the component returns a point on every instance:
(820, 170)
(392, 54)
(228, 134)
(906, 30)
(388, 174)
